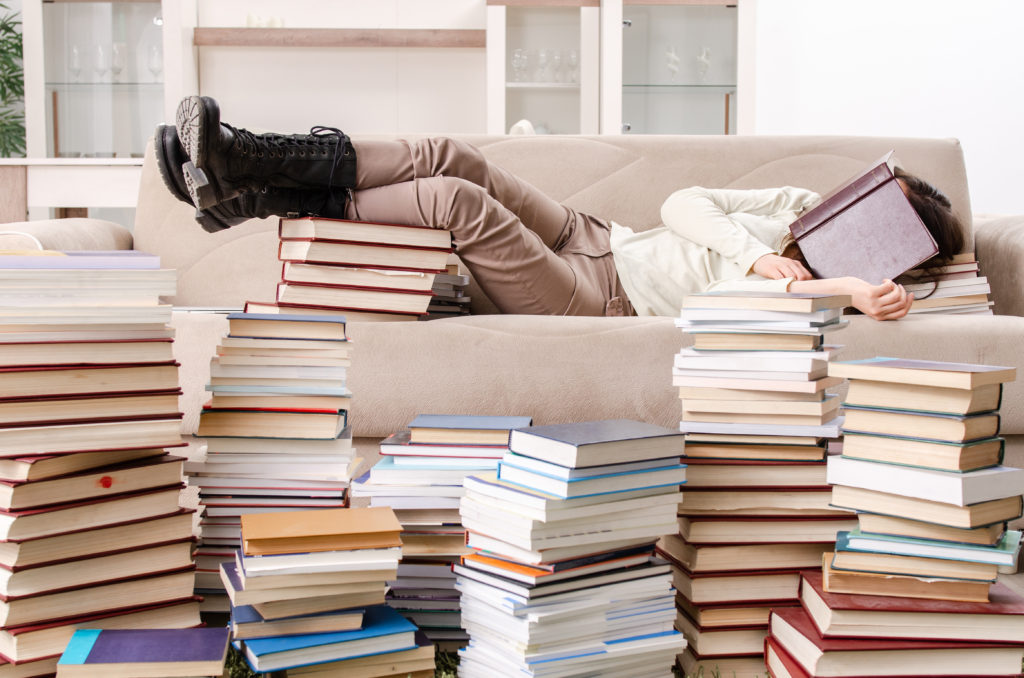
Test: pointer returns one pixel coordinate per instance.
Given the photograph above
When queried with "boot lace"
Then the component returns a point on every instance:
(340, 139)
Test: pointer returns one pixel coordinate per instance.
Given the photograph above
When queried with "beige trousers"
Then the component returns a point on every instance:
(529, 253)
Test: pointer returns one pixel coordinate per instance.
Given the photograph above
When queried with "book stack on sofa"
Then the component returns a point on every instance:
(420, 475)
(307, 593)
(368, 271)
(275, 429)
(918, 576)
(92, 534)
(757, 417)
(955, 287)
(563, 579)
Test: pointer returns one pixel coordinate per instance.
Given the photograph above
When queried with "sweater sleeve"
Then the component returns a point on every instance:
(702, 215)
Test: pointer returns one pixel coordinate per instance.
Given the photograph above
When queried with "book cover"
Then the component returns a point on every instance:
(199, 648)
(1004, 552)
(323, 530)
(922, 372)
(288, 317)
(572, 442)
(378, 621)
(865, 228)
(88, 259)
(470, 421)
(347, 230)
(784, 302)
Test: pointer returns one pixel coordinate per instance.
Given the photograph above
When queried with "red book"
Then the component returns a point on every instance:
(865, 228)
(349, 230)
(849, 615)
(793, 630)
(364, 255)
(66, 380)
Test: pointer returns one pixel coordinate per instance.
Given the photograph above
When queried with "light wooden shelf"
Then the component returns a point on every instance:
(545, 3)
(337, 37)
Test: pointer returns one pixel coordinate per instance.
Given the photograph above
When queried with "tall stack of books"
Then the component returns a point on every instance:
(366, 270)
(955, 287)
(563, 579)
(91, 531)
(420, 475)
(757, 415)
(913, 589)
(275, 429)
(307, 592)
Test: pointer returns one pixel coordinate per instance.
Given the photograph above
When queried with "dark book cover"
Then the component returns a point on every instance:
(119, 646)
(586, 433)
(866, 228)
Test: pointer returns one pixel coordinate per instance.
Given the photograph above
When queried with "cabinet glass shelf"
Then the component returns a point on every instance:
(675, 86)
(542, 85)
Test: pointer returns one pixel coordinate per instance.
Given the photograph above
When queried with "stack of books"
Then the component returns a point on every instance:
(275, 430)
(563, 579)
(913, 590)
(922, 465)
(366, 270)
(757, 414)
(169, 653)
(307, 593)
(956, 287)
(420, 475)
(92, 534)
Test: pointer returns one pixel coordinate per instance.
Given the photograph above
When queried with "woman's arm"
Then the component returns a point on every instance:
(887, 301)
(701, 215)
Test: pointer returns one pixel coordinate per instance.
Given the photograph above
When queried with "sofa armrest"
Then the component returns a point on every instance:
(65, 234)
(999, 246)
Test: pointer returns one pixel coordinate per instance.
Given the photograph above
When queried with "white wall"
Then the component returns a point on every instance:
(926, 68)
(360, 90)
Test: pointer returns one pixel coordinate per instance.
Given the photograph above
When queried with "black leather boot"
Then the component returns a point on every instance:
(270, 201)
(226, 161)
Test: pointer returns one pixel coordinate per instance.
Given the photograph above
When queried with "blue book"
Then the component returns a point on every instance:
(149, 652)
(247, 623)
(1004, 552)
(384, 630)
(666, 476)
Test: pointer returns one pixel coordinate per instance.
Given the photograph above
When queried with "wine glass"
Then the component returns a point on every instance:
(74, 62)
(118, 60)
(100, 61)
(556, 65)
(542, 65)
(155, 61)
(517, 64)
(573, 61)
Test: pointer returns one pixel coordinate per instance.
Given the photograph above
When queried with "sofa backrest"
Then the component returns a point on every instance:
(624, 178)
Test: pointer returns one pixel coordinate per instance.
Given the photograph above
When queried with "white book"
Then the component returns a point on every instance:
(312, 372)
(825, 353)
(827, 430)
(769, 361)
(946, 487)
(760, 328)
(811, 374)
(820, 317)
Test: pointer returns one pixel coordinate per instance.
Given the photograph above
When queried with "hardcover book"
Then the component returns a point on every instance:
(865, 228)
(922, 372)
(595, 443)
(345, 230)
(164, 652)
(325, 530)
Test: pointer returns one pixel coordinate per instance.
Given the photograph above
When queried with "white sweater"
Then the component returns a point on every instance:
(710, 240)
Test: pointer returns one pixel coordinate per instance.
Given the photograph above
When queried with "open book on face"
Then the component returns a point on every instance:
(866, 228)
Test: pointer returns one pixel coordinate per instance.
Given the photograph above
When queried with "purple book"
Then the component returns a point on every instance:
(91, 259)
(174, 652)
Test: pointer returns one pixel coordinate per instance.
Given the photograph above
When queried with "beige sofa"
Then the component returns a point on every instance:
(564, 369)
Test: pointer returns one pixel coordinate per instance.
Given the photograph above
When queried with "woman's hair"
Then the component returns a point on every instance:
(937, 214)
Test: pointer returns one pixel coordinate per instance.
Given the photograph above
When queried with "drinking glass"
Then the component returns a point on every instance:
(118, 60)
(542, 65)
(74, 62)
(556, 65)
(155, 61)
(573, 61)
(101, 61)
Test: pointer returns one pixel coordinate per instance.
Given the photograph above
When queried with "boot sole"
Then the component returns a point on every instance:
(192, 120)
(163, 146)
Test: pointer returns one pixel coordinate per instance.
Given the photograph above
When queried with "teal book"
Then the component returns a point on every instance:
(384, 630)
(669, 474)
(470, 421)
(1004, 553)
(145, 652)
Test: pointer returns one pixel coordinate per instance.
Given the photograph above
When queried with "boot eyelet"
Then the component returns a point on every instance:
(260, 155)
(302, 154)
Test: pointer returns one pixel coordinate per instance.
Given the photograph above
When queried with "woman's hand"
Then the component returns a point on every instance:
(887, 301)
(776, 267)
